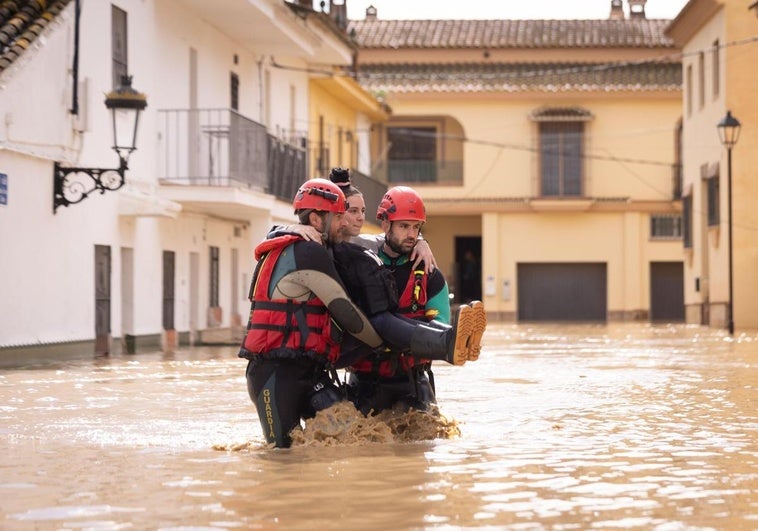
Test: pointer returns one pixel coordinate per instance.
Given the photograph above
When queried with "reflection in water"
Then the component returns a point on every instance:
(561, 427)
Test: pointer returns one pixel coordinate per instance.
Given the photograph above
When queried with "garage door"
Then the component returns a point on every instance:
(667, 291)
(562, 292)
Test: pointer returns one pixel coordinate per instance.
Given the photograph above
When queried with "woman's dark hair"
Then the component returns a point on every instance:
(341, 177)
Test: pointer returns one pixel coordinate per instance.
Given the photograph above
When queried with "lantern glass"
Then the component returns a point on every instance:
(125, 105)
(729, 130)
(125, 122)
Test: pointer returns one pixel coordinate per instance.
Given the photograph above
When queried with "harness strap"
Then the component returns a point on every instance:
(302, 325)
(279, 328)
(418, 277)
(282, 306)
(287, 323)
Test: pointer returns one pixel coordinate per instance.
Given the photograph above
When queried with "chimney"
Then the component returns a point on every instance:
(637, 8)
(617, 10)
(371, 13)
(338, 13)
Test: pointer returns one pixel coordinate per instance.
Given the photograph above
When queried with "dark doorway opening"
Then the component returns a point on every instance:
(666, 291)
(468, 268)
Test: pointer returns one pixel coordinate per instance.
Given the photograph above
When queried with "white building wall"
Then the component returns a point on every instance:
(363, 144)
(289, 106)
(47, 261)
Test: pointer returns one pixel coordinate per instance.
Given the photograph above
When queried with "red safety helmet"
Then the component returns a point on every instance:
(401, 203)
(319, 194)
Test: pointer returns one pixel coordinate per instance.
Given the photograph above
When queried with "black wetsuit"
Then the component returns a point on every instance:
(286, 384)
(414, 388)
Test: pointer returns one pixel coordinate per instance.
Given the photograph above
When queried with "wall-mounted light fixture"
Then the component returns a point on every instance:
(72, 185)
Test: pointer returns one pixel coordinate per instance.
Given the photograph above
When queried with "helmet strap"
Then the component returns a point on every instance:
(325, 230)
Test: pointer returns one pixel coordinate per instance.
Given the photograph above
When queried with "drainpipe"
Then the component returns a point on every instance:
(75, 67)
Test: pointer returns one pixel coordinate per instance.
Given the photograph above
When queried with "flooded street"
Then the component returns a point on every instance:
(562, 427)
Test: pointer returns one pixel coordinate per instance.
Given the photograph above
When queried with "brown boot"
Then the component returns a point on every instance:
(451, 344)
(478, 325)
(464, 325)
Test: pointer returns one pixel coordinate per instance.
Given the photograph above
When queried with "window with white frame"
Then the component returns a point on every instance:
(561, 137)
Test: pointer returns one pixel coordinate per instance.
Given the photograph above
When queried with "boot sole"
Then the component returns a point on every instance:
(478, 325)
(464, 325)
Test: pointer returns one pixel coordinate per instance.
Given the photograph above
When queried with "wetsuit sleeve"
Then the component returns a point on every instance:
(315, 272)
(369, 241)
(438, 294)
(277, 230)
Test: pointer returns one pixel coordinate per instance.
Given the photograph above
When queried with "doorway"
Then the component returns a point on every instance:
(667, 291)
(468, 269)
(102, 299)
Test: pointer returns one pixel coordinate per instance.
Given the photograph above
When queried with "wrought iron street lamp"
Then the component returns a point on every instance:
(729, 133)
(72, 185)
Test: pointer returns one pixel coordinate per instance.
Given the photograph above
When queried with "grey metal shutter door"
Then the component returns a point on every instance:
(562, 292)
(666, 291)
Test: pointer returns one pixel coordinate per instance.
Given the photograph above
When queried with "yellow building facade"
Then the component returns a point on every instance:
(548, 150)
(720, 54)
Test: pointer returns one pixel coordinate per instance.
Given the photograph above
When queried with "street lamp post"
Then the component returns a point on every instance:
(729, 133)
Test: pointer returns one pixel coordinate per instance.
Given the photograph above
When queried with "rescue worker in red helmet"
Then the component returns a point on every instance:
(382, 380)
(292, 343)
(421, 255)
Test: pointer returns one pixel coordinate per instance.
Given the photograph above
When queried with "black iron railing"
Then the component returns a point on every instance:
(441, 172)
(214, 147)
(288, 168)
(220, 147)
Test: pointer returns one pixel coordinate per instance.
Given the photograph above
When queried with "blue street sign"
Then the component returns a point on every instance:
(3, 189)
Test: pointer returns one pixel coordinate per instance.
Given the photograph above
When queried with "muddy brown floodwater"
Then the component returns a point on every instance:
(628, 426)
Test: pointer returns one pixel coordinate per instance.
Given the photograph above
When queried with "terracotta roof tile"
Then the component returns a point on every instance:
(505, 77)
(21, 21)
(636, 33)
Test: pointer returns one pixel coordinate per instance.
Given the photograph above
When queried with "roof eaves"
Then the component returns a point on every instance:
(20, 28)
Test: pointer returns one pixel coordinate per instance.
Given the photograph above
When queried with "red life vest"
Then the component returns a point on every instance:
(412, 304)
(285, 327)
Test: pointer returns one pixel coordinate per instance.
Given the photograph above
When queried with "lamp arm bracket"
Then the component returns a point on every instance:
(73, 185)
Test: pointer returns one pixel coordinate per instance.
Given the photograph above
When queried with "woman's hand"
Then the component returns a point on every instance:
(306, 232)
(423, 253)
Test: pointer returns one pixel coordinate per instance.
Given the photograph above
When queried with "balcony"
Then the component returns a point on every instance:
(414, 172)
(218, 161)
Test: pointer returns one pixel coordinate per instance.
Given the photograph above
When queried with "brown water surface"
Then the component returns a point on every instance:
(561, 427)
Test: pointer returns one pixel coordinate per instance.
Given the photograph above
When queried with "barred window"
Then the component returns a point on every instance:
(234, 86)
(713, 201)
(687, 221)
(214, 274)
(412, 154)
(561, 163)
(119, 46)
(666, 227)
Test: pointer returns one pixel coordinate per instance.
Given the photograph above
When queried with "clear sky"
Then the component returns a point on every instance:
(501, 9)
